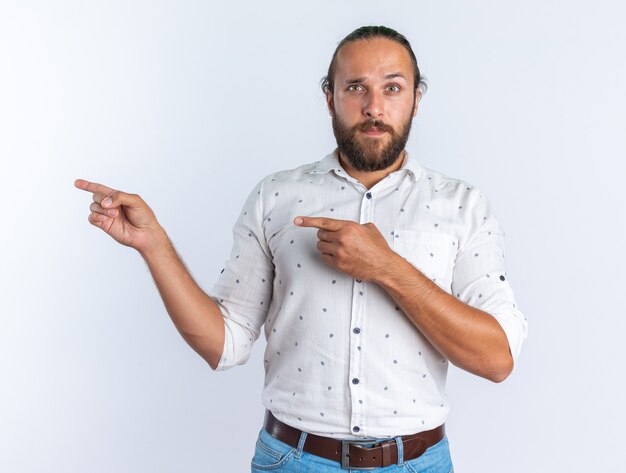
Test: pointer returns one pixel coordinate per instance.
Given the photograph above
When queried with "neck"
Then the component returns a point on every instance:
(370, 178)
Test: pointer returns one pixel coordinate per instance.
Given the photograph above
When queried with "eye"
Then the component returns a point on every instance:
(393, 88)
(355, 87)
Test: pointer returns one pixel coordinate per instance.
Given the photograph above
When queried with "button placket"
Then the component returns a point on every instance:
(358, 305)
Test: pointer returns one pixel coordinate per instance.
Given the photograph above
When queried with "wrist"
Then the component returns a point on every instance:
(390, 270)
(155, 242)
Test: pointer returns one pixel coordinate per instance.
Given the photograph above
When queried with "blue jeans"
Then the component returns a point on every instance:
(273, 455)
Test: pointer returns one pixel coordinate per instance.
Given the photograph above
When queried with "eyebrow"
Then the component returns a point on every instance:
(359, 80)
(394, 75)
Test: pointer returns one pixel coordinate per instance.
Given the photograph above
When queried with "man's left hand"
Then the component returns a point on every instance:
(359, 250)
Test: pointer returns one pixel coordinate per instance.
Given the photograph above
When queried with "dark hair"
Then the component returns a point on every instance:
(371, 32)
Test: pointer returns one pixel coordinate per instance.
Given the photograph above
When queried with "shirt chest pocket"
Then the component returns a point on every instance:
(432, 253)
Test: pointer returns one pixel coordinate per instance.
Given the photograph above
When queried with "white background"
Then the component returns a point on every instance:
(189, 104)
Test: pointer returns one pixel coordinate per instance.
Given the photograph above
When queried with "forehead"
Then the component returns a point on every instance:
(373, 58)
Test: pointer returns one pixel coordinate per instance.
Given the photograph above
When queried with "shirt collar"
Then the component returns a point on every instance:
(331, 163)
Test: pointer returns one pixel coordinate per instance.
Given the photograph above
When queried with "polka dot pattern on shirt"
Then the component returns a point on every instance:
(324, 328)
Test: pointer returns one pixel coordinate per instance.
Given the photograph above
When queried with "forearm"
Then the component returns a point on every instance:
(196, 315)
(469, 337)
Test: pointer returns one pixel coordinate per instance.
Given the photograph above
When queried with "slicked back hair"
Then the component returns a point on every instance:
(371, 32)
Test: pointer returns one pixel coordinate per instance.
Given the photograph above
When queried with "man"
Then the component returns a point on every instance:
(369, 272)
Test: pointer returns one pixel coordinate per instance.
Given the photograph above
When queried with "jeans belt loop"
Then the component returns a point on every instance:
(400, 444)
(300, 446)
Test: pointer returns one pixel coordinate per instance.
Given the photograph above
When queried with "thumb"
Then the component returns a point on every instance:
(118, 198)
(135, 209)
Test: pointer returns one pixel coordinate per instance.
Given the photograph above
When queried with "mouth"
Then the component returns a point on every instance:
(373, 131)
(375, 128)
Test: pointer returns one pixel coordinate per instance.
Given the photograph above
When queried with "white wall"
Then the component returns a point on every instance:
(171, 100)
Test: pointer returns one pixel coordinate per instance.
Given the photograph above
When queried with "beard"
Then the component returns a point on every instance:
(366, 153)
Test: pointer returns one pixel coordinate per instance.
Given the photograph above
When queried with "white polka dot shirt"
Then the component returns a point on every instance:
(342, 359)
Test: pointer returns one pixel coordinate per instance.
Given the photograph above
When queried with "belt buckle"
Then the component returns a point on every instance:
(345, 450)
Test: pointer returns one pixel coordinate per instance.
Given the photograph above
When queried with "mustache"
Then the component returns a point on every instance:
(369, 124)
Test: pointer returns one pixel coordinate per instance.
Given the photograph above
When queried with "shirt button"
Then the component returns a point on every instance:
(368, 195)
(355, 381)
(356, 330)
(356, 428)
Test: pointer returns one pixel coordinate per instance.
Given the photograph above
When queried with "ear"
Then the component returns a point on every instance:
(418, 97)
(329, 102)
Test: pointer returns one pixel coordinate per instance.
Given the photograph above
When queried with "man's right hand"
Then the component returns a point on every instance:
(125, 217)
(129, 220)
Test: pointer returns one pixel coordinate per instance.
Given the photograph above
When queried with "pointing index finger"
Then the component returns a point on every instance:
(324, 223)
(93, 187)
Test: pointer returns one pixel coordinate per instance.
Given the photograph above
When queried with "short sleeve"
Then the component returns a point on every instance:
(243, 291)
(480, 278)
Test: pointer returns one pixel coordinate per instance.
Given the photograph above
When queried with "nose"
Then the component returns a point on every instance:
(373, 106)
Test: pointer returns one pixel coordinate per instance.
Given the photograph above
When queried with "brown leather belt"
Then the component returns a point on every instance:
(355, 454)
